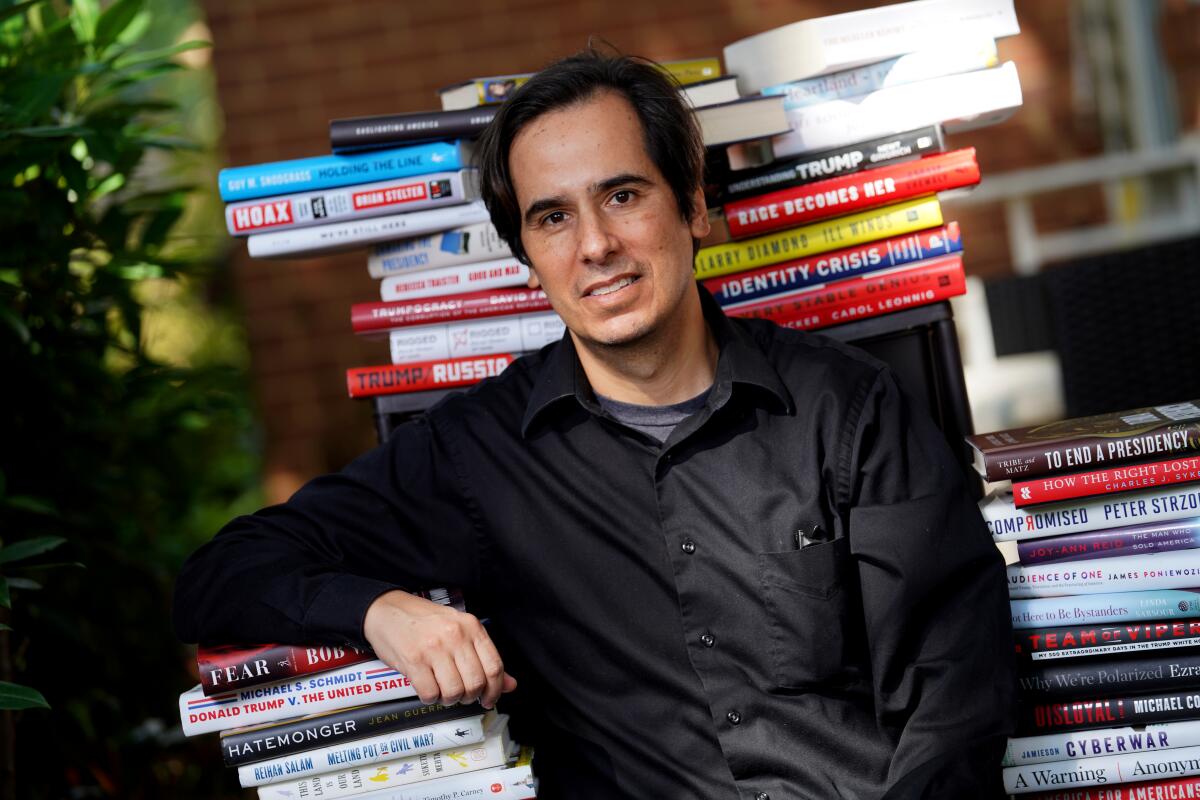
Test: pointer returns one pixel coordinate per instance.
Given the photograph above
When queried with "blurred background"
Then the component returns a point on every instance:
(158, 382)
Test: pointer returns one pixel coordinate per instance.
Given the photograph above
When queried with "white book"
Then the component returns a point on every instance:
(1071, 745)
(503, 273)
(1177, 570)
(966, 55)
(957, 102)
(513, 783)
(321, 239)
(1117, 768)
(368, 682)
(1009, 523)
(491, 752)
(515, 333)
(361, 752)
(305, 209)
(465, 245)
(819, 46)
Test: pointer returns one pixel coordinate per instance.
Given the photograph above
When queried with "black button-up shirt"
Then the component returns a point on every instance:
(671, 636)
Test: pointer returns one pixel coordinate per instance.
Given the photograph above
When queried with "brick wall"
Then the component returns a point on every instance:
(285, 67)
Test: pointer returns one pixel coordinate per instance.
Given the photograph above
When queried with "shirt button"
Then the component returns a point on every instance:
(707, 639)
(733, 717)
(762, 796)
(688, 546)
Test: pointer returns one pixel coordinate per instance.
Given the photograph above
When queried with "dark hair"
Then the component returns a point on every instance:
(669, 129)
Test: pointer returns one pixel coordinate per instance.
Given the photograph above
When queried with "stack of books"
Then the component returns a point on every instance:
(332, 721)
(1101, 527)
(837, 218)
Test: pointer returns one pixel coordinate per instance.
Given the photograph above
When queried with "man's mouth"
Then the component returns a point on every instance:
(616, 285)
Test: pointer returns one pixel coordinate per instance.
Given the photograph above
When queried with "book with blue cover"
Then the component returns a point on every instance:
(327, 172)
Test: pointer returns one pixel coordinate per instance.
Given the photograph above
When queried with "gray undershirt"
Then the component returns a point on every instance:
(656, 421)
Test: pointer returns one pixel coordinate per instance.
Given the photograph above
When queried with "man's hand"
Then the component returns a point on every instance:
(447, 654)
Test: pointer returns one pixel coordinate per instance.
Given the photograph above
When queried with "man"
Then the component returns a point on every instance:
(724, 559)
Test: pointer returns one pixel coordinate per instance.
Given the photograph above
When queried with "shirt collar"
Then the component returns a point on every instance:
(740, 360)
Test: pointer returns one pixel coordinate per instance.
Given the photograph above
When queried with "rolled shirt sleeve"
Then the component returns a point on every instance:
(934, 600)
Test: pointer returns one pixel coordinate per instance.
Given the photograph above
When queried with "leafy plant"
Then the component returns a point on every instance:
(121, 454)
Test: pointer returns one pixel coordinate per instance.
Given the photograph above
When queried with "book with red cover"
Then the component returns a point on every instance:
(1166, 789)
(382, 317)
(1106, 481)
(860, 298)
(445, 373)
(846, 194)
(237, 666)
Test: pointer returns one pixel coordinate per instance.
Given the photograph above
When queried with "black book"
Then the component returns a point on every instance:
(812, 167)
(1116, 676)
(246, 745)
(392, 130)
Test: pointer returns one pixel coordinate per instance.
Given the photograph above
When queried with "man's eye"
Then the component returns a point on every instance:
(622, 197)
(553, 218)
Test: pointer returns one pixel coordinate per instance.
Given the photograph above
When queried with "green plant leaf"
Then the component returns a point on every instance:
(15, 322)
(115, 19)
(5, 598)
(85, 16)
(27, 584)
(29, 548)
(159, 54)
(4, 627)
(19, 8)
(33, 505)
(14, 697)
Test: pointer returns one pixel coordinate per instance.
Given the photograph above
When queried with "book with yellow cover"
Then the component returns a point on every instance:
(693, 70)
(831, 234)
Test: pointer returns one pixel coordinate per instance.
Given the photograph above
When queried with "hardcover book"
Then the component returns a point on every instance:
(380, 317)
(505, 273)
(1070, 641)
(1129, 540)
(466, 245)
(1070, 746)
(515, 333)
(819, 237)
(1085, 677)
(390, 130)
(1179, 570)
(1102, 770)
(1101, 440)
(834, 197)
(445, 373)
(362, 200)
(1105, 607)
(827, 44)
(327, 172)
(1110, 480)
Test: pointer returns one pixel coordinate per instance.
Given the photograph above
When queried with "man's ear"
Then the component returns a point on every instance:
(533, 282)
(699, 224)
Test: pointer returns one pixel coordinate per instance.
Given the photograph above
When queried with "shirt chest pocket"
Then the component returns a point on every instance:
(808, 610)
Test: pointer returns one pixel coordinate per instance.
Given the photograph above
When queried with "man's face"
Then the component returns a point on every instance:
(601, 227)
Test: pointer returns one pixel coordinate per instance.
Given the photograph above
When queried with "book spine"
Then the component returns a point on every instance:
(1106, 481)
(335, 236)
(223, 669)
(1124, 573)
(491, 752)
(226, 667)
(742, 288)
(692, 70)
(327, 172)
(376, 317)
(1103, 770)
(246, 745)
(1088, 677)
(1166, 789)
(1008, 523)
(839, 161)
(957, 102)
(390, 130)
(513, 334)
(369, 682)
(507, 273)
(1069, 641)
(351, 202)
(965, 55)
(859, 298)
(1100, 609)
(361, 752)
(513, 783)
(1078, 715)
(466, 245)
(419, 377)
(820, 237)
(1069, 746)
(1132, 540)
(829, 44)
(843, 195)
(1163, 437)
